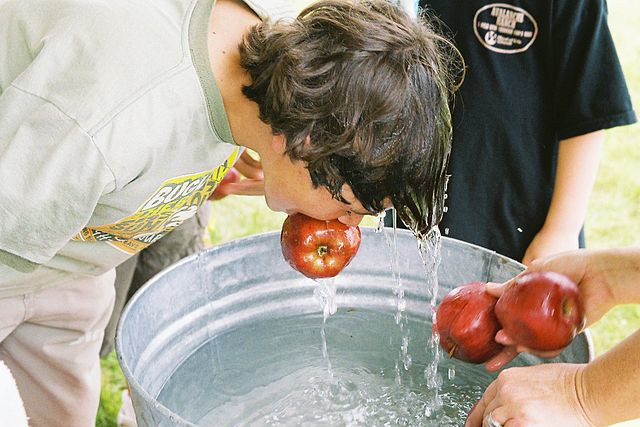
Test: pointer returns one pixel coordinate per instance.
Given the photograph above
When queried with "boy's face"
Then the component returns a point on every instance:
(288, 188)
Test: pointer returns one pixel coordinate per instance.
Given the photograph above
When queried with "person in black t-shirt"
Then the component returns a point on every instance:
(543, 81)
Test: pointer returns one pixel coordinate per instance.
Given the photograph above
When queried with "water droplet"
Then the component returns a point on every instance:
(380, 225)
(407, 361)
(451, 374)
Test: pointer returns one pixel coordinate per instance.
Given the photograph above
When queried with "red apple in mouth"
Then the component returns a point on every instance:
(467, 325)
(318, 248)
(541, 311)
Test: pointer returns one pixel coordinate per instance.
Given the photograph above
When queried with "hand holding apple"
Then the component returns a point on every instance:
(318, 248)
(541, 310)
(467, 324)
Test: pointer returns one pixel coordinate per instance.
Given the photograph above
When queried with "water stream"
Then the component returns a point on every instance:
(368, 367)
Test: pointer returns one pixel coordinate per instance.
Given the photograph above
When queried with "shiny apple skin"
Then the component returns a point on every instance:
(467, 325)
(318, 248)
(541, 311)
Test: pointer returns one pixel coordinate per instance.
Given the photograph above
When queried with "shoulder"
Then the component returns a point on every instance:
(89, 57)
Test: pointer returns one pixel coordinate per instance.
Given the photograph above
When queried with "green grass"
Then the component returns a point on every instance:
(613, 218)
(113, 383)
(614, 210)
(252, 214)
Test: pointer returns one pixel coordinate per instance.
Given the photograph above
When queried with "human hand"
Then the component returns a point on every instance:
(588, 269)
(593, 272)
(249, 166)
(534, 396)
(549, 242)
(233, 182)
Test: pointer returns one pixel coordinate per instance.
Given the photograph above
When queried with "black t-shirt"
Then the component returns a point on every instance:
(537, 72)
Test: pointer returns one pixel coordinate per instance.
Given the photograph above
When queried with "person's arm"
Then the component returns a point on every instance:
(605, 277)
(610, 384)
(599, 393)
(576, 171)
(246, 178)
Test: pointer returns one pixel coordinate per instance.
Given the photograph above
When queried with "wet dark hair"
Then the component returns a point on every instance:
(370, 87)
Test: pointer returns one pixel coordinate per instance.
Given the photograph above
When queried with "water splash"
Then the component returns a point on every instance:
(325, 294)
(451, 373)
(429, 247)
(400, 317)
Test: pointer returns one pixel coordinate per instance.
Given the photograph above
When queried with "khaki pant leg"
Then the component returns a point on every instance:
(12, 313)
(53, 352)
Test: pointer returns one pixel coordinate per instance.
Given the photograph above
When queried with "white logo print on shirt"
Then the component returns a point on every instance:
(504, 28)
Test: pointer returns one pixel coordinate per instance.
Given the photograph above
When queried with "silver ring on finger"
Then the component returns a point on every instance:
(490, 421)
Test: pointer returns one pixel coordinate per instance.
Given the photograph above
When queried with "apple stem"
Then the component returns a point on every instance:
(323, 250)
(453, 350)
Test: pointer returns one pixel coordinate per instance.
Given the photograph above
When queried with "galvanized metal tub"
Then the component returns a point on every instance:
(245, 283)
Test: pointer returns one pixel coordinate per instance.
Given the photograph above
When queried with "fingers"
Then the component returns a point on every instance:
(249, 167)
(537, 264)
(499, 414)
(543, 354)
(233, 183)
(501, 359)
(247, 158)
(246, 187)
(511, 350)
(504, 339)
(496, 289)
(476, 416)
(490, 410)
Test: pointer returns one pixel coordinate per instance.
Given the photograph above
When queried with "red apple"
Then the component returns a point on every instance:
(541, 311)
(467, 324)
(318, 248)
(220, 192)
